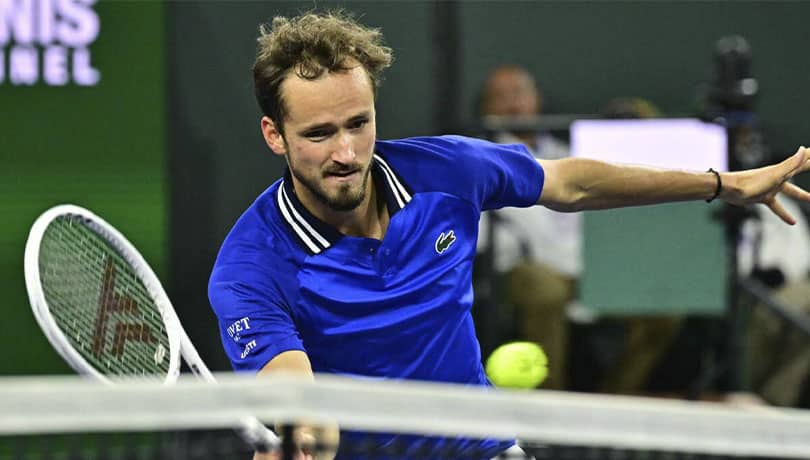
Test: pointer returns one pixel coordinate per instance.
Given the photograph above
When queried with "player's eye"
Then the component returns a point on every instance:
(317, 135)
(358, 123)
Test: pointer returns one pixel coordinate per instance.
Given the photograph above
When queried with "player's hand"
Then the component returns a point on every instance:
(762, 185)
(313, 442)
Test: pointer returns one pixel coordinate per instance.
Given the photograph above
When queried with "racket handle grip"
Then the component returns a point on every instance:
(258, 436)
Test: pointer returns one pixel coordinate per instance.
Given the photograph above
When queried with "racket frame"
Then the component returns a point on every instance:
(127, 251)
(251, 429)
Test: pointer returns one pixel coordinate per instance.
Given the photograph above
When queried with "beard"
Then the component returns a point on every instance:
(346, 197)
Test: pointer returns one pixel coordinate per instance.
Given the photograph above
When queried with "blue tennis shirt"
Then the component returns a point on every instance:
(397, 308)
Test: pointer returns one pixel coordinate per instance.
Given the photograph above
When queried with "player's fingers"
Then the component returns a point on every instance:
(798, 162)
(806, 157)
(794, 191)
(780, 211)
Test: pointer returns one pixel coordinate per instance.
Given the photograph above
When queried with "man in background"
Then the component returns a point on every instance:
(538, 250)
(779, 257)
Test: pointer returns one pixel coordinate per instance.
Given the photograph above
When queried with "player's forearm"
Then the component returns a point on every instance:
(576, 184)
(291, 362)
(316, 441)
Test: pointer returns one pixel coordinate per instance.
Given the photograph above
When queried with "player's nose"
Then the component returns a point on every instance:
(344, 150)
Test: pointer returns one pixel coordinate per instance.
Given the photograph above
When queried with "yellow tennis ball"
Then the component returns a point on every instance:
(517, 365)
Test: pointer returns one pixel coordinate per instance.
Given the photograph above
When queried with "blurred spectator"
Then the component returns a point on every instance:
(538, 250)
(630, 108)
(779, 256)
(646, 338)
(778, 360)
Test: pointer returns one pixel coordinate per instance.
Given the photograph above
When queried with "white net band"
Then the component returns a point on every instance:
(70, 404)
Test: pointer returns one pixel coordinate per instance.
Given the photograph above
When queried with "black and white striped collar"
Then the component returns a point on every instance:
(316, 235)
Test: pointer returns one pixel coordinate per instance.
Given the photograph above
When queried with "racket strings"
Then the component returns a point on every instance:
(99, 302)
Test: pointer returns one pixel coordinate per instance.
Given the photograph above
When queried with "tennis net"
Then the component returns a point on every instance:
(73, 418)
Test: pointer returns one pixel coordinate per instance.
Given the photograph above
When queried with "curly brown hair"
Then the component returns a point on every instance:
(310, 45)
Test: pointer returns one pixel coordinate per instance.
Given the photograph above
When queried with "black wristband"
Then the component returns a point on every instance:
(719, 185)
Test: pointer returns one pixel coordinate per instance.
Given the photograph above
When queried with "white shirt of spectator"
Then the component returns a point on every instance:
(553, 239)
(782, 246)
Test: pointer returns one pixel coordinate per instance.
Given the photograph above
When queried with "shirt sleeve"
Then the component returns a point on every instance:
(255, 323)
(489, 175)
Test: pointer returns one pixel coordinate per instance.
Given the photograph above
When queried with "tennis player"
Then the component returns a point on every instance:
(358, 261)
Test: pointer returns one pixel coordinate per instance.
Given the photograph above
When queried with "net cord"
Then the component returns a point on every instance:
(556, 418)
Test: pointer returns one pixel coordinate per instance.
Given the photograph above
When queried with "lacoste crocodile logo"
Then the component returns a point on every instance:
(444, 241)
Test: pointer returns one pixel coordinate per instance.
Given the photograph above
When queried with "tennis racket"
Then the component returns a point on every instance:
(103, 308)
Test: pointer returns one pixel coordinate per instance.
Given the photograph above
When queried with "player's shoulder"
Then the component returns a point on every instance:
(257, 241)
(257, 260)
(444, 163)
(436, 148)
(432, 163)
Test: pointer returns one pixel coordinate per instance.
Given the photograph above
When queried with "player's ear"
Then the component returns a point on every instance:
(273, 137)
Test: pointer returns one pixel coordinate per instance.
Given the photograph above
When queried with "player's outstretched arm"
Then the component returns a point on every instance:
(576, 184)
(311, 439)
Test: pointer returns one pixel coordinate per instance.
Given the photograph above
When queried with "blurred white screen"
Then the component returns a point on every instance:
(682, 143)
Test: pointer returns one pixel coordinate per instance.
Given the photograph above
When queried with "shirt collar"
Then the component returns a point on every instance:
(315, 235)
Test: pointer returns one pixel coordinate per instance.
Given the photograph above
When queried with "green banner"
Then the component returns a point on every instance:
(82, 121)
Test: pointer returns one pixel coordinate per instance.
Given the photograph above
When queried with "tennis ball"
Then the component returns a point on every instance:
(517, 365)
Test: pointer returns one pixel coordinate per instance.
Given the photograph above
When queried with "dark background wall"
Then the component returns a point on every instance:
(584, 53)
(172, 158)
